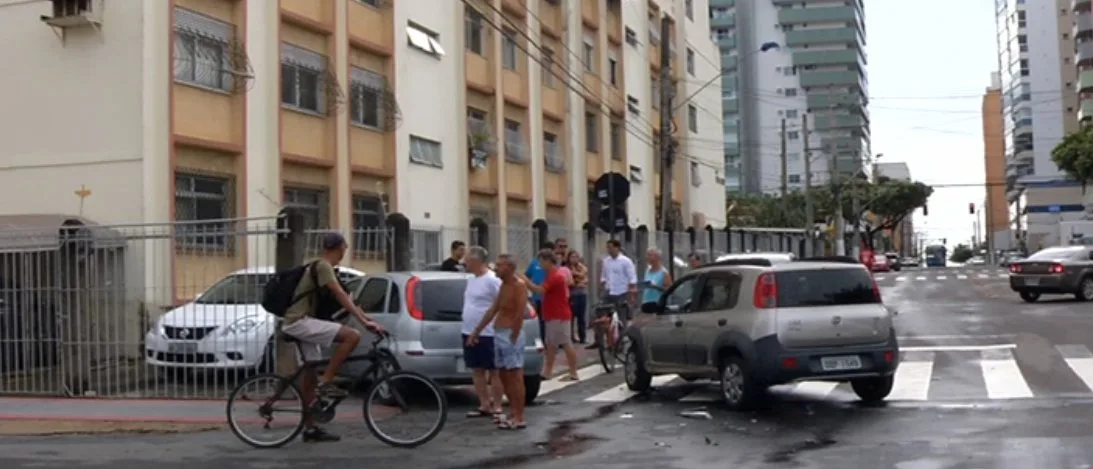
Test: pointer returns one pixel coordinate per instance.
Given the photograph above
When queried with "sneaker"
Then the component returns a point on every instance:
(330, 391)
(318, 435)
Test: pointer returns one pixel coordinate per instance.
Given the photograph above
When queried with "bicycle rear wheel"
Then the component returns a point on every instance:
(605, 346)
(272, 396)
(413, 401)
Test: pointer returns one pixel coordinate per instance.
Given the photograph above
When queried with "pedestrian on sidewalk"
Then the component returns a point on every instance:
(536, 273)
(509, 339)
(478, 297)
(454, 262)
(656, 281)
(578, 295)
(557, 315)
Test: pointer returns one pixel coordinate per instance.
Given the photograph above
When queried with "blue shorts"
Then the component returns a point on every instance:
(480, 355)
(508, 355)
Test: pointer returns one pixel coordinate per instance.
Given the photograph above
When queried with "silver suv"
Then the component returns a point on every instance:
(753, 323)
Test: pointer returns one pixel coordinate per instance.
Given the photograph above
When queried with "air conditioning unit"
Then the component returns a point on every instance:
(75, 13)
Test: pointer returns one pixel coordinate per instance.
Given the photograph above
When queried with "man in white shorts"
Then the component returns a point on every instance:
(314, 334)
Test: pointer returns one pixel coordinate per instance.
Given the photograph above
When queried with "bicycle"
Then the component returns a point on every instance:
(610, 342)
(388, 384)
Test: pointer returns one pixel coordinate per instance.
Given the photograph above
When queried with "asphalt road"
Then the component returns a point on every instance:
(987, 381)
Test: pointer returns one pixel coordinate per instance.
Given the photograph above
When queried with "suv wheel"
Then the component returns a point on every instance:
(872, 390)
(637, 379)
(532, 384)
(1085, 289)
(738, 388)
(1029, 297)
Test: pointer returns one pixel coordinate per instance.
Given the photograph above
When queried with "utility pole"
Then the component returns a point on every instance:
(785, 169)
(810, 217)
(855, 205)
(667, 141)
(837, 192)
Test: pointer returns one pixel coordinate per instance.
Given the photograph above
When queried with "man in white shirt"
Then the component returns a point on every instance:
(618, 279)
(482, 290)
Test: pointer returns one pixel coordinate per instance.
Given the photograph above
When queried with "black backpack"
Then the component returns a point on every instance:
(280, 292)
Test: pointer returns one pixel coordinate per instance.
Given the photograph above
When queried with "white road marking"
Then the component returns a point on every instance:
(913, 380)
(556, 384)
(621, 393)
(957, 337)
(1081, 366)
(958, 348)
(941, 277)
(961, 277)
(880, 278)
(1003, 377)
(920, 278)
(815, 388)
(901, 278)
(984, 276)
(1003, 276)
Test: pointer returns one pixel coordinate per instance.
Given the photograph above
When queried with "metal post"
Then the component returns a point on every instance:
(667, 141)
(837, 192)
(291, 247)
(785, 177)
(810, 217)
(855, 207)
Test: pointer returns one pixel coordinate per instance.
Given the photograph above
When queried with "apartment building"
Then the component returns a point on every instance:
(903, 236)
(191, 110)
(996, 221)
(1038, 79)
(818, 70)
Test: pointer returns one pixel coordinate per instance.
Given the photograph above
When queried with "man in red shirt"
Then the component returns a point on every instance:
(556, 314)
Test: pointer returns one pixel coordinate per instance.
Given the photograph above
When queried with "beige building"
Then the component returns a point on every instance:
(996, 213)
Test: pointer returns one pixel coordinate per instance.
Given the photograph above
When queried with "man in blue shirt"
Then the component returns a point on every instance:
(537, 275)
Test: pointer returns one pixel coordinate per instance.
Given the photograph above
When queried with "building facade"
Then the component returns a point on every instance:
(996, 220)
(201, 110)
(903, 236)
(818, 70)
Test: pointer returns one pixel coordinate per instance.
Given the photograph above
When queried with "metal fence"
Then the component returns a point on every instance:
(172, 309)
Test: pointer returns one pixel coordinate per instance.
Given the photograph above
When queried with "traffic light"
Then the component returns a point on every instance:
(925, 210)
(971, 208)
(944, 241)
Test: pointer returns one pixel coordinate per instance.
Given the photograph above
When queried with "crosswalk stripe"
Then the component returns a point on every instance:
(984, 276)
(920, 278)
(881, 278)
(556, 384)
(962, 277)
(1003, 276)
(913, 379)
(901, 278)
(1080, 361)
(621, 392)
(1002, 376)
(941, 277)
(815, 388)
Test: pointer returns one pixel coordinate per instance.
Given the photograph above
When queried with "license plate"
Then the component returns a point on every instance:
(182, 348)
(850, 362)
(1032, 281)
(460, 365)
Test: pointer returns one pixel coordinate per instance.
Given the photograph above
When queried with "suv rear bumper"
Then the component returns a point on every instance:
(773, 361)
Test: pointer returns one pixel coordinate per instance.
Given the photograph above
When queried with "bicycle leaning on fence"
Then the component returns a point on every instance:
(610, 341)
(391, 392)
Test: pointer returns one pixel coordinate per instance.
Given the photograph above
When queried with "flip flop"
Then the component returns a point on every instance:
(509, 425)
(479, 413)
(569, 378)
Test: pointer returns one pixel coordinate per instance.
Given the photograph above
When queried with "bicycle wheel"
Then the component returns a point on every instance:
(605, 348)
(415, 402)
(272, 396)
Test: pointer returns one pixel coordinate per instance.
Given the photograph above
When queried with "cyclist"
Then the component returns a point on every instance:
(618, 280)
(321, 282)
(657, 279)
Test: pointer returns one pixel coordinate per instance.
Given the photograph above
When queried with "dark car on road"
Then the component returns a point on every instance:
(1064, 270)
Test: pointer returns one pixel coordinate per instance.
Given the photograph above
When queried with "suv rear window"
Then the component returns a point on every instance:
(441, 300)
(824, 288)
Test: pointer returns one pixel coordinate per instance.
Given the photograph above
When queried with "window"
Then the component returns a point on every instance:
(631, 37)
(371, 3)
(425, 151)
(552, 153)
(508, 50)
(793, 156)
(793, 135)
(678, 298)
(312, 204)
(689, 6)
(202, 56)
(789, 71)
(514, 142)
(794, 178)
(721, 34)
(654, 92)
(719, 12)
(632, 104)
(591, 132)
(202, 203)
(424, 40)
(475, 31)
(373, 296)
(692, 118)
(690, 62)
(589, 56)
(366, 94)
(791, 114)
(790, 92)
(613, 68)
(369, 232)
(615, 133)
(303, 79)
(547, 62)
(719, 292)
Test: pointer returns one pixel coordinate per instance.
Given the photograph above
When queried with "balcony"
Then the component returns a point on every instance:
(1083, 52)
(1081, 5)
(829, 57)
(728, 62)
(826, 101)
(724, 21)
(1085, 81)
(1083, 24)
(842, 14)
(1085, 111)
(727, 42)
(807, 37)
(840, 122)
(722, 3)
(1024, 156)
(730, 105)
(835, 78)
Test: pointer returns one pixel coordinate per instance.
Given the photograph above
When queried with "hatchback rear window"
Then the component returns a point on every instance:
(829, 287)
(441, 300)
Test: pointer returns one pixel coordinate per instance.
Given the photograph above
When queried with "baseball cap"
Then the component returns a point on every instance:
(333, 240)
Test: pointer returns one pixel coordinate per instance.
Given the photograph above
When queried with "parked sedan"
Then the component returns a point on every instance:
(1057, 270)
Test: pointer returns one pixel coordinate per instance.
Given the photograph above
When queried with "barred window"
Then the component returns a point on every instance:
(302, 79)
(202, 50)
(514, 142)
(312, 204)
(366, 89)
(199, 198)
(369, 232)
(552, 153)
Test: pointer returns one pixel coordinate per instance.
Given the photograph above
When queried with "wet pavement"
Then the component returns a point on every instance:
(999, 383)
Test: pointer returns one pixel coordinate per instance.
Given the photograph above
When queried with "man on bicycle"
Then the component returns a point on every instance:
(618, 280)
(313, 334)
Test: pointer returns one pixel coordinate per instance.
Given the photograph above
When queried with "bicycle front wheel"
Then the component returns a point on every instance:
(271, 405)
(412, 412)
(605, 345)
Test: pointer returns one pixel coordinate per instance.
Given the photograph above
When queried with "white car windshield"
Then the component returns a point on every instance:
(241, 289)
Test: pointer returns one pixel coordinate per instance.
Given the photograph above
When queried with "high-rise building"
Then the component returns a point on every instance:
(818, 69)
(1035, 59)
(996, 213)
(191, 110)
(1083, 57)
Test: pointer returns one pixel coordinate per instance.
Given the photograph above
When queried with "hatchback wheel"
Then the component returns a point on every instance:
(1029, 297)
(637, 379)
(872, 390)
(532, 384)
(1085, 289)
(738, 388)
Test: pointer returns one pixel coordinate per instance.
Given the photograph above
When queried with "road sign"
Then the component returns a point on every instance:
(612, 189)
(612, 219)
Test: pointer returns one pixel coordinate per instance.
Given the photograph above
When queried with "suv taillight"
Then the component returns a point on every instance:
(1057, 269)
(766, 291)
(411, 300)
(1015, 268)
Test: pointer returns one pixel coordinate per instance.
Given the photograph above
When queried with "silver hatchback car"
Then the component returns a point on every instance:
(754, 323)
(423, 311)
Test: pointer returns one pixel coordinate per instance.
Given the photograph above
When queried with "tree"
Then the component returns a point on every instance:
(961, 253)
(890, 201)
(1074, 155)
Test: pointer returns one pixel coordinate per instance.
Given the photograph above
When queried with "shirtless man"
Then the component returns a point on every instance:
(509, 339)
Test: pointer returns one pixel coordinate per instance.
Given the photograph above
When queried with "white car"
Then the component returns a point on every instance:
(223, 328)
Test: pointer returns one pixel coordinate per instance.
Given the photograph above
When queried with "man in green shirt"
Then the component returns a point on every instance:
(314, 334)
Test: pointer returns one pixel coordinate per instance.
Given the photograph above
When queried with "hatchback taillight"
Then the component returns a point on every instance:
(1057, 269)
(766, 291)
(411, 300)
